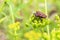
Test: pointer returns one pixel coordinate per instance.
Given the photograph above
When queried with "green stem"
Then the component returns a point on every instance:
(48, 32)
(15, 33)
(47, 17)
(11, 12)
(46, 7)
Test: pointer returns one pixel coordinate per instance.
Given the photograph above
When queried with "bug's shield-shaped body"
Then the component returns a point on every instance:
(40, 14)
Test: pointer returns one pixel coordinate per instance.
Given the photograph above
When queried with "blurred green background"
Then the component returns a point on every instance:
(21, 10)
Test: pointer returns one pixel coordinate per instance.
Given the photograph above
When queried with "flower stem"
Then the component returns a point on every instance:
(46, 7)
(11, 12)
(47, 17)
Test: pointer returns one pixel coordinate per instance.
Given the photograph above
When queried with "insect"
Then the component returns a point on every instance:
(40, 14)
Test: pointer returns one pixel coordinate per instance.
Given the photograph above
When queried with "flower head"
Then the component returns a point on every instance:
(32, 35)
(14, 26)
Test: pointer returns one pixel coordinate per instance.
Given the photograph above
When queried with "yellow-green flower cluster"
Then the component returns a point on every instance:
(46, 36)
(32, 35)
(14, 26)
(57, 20)
(39, 21)
(55, 34)
(57, 17)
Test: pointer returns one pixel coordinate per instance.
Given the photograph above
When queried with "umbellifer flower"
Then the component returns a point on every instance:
(14, 26)
(32, 35)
